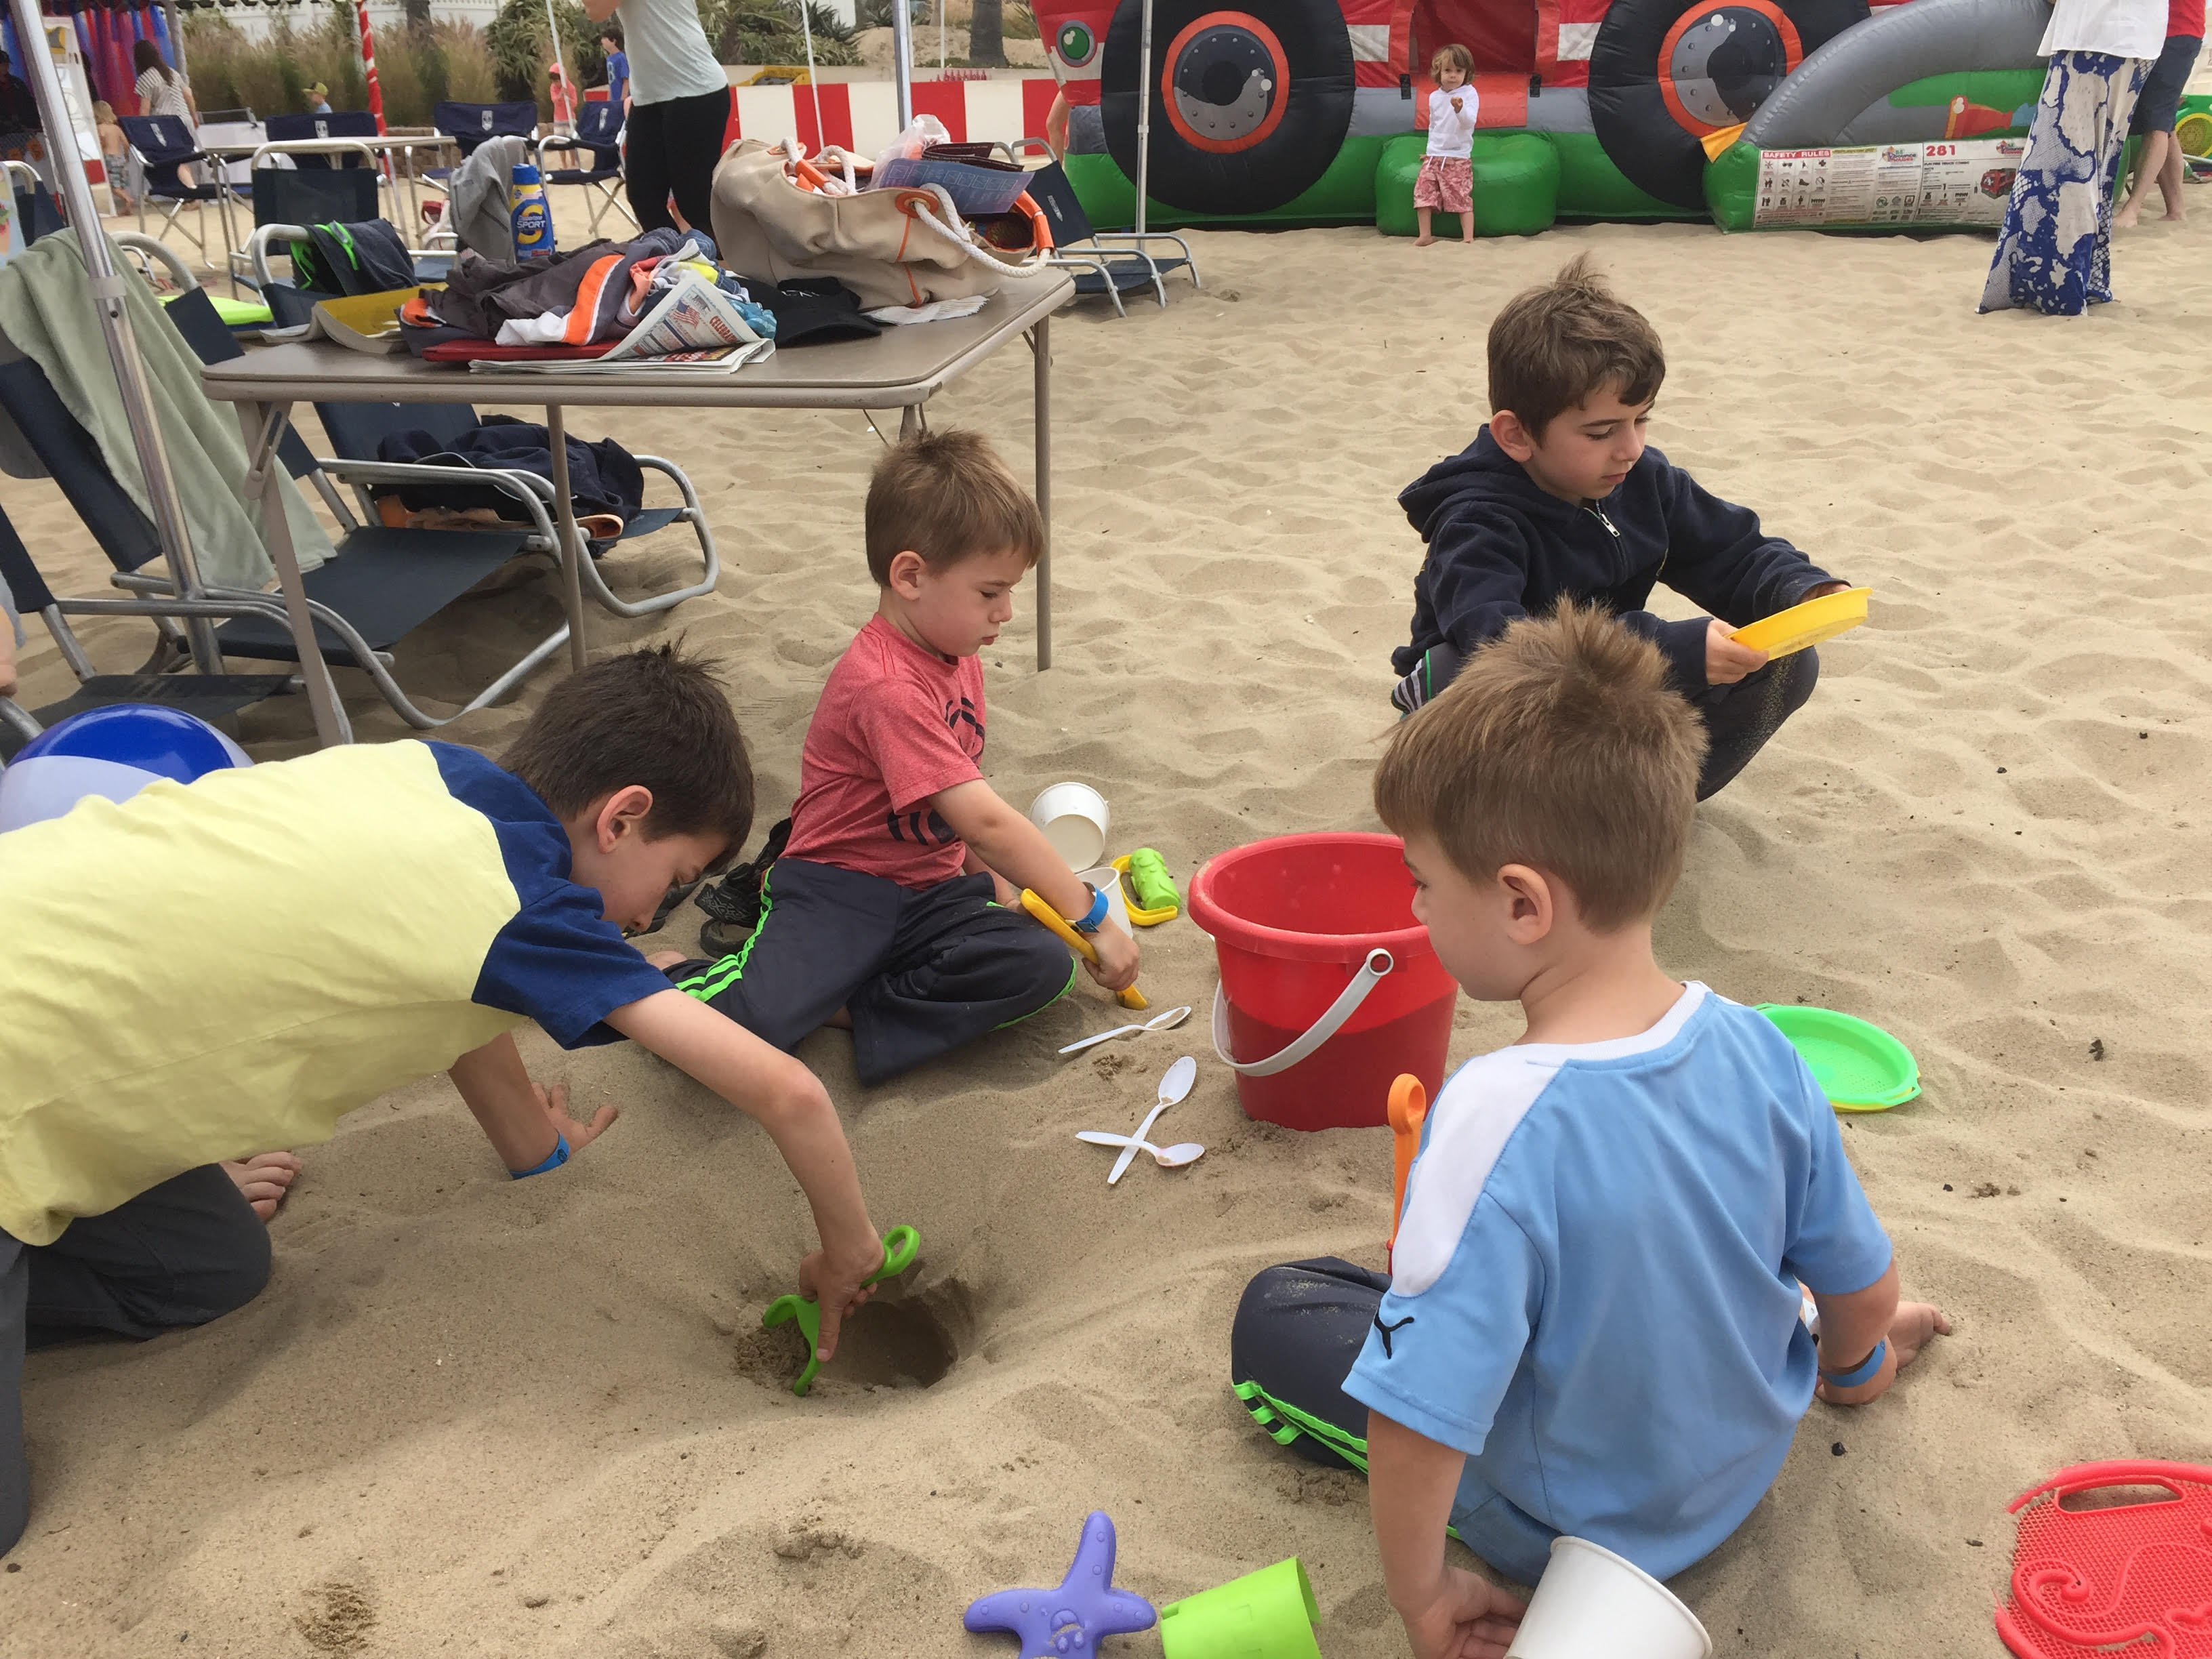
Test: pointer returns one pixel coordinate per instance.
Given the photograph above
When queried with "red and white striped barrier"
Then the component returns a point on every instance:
(862, 116)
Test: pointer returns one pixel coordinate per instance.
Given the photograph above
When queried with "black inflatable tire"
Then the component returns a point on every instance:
(1257, 164)
(1629, 108)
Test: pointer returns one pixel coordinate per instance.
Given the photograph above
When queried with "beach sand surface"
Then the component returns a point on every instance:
(540, 1420)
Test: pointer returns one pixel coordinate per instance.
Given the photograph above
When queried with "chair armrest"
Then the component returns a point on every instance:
(532, 491)
(1138, 239)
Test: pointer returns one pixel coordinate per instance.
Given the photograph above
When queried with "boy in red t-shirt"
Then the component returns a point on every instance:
(893, 909)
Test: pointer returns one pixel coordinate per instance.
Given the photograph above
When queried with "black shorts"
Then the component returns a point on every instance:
(2157, 105)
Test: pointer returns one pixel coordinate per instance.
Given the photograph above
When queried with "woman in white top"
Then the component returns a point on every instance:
(679, 107)
(160, 89)
(2055, 253)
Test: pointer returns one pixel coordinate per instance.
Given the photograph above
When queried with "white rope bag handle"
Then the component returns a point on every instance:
(1331, 1022)
(954, 229)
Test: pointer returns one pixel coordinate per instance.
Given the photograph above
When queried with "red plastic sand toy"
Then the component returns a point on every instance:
(2084, 1581)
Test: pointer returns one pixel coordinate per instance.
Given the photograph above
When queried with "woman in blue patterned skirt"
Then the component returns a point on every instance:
(2055, 253)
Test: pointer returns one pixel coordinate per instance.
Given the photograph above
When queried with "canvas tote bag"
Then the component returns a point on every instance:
(892, 247)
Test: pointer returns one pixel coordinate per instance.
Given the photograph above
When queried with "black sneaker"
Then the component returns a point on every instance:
(733, 904)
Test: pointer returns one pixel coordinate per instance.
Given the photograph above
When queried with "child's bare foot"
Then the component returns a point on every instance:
(2174, 215)
(1424, 241)
(264, 1179)
(2124, 219)
(1915, 1322)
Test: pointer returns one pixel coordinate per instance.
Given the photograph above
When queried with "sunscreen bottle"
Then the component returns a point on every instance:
(532, 218)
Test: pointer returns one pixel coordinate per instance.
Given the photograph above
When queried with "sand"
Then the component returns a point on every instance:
(500, 1420)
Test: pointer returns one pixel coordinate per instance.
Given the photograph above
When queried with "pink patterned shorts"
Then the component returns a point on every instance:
(1445, 182)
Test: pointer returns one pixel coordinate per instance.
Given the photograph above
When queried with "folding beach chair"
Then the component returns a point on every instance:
(212, 696)
(470, 125)
(163, 144)
(36, 213)
(382, 584)
(599, 133)
(357, 430)
(338, 123)
(1115, 260)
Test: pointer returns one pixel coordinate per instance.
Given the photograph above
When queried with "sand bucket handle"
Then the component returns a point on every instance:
(1379, 962)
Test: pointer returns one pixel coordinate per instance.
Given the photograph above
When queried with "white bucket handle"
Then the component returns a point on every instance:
(1331, 1022)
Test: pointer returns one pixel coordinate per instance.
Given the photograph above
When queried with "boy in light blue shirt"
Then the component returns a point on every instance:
(1593, 1323)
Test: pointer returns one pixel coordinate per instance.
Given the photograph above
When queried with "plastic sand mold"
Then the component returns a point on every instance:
(901, 1246)
(1860, 1067)
(2131, 1578)
(1800, 625)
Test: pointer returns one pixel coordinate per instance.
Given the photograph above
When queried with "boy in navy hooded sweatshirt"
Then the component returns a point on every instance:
(1559, 498)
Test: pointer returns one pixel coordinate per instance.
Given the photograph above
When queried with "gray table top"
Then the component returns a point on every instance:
(902, 366)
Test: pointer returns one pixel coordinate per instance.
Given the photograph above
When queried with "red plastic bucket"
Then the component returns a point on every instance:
(1305, 925)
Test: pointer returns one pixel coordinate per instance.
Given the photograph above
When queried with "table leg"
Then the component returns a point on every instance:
(1041, 344)
(910, 421)
(264, 429)
(573, 553)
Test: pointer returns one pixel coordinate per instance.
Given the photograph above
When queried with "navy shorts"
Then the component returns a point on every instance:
(2157, 105)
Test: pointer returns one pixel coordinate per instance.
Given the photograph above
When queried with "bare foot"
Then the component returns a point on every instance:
(665, 958)
(2124, 219)
(1422, 241)
(2174, 215)
(265, 1179)
(1915, 1323)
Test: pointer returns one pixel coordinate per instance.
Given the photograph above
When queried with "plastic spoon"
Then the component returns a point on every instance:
(1168, 1158)
(1173, 1087)
(1165, 1021)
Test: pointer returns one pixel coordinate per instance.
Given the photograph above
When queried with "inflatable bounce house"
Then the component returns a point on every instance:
(1761, 113)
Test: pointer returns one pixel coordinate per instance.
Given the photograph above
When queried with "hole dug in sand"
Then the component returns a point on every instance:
(909, 1343)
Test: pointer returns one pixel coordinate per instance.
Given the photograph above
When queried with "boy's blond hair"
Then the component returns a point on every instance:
(1558, 746)
(1556, 343)
(947, 496)
(1454, 56)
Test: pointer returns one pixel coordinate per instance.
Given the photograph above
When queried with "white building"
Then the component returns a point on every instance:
(258, 21)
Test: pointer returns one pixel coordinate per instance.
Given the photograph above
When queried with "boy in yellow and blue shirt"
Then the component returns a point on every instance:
(347, 922)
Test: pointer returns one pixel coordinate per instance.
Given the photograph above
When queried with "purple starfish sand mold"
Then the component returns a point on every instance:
(1070, 1621)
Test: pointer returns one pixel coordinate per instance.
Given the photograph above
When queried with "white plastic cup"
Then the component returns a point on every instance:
(1593, 1604)
(1075, 820)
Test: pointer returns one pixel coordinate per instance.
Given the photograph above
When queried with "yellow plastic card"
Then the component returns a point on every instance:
(1805, 625)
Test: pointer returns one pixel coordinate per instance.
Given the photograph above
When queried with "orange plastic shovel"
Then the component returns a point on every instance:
(1409, 1105)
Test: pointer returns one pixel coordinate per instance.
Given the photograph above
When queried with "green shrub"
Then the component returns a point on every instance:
(769, 32)
(416, 68)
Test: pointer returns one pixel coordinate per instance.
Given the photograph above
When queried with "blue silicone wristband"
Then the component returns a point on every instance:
(1097, 915)
(1862, 1372)
(554, 1159)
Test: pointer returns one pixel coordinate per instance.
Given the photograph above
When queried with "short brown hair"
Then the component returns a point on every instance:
(1556, 343)
(947, 496)
(1454, 56)
(1558, 746)
(655, 717)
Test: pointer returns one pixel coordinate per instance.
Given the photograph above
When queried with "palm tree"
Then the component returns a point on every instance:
(987, 34)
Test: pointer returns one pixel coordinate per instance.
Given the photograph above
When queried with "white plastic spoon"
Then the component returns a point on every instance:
(1165, 1021)
(1168, 1158)
(1173, 1087)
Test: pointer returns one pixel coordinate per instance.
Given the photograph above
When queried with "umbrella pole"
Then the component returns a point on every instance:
(902, 60)
(1144, 115)
(108, 288)
(553, 34)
